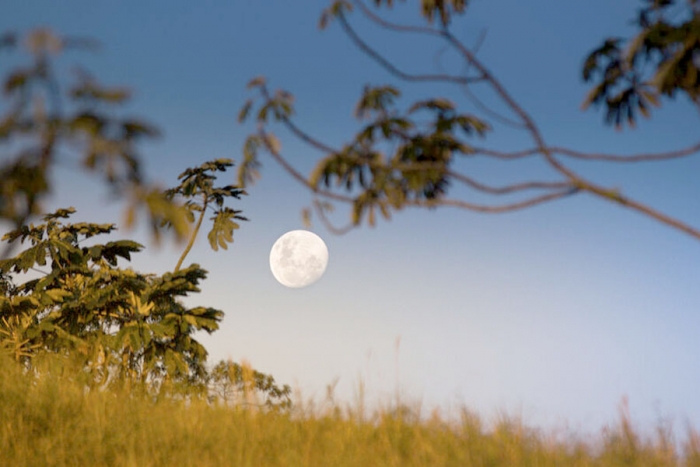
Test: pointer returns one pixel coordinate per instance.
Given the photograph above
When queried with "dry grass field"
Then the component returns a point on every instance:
(55, 422)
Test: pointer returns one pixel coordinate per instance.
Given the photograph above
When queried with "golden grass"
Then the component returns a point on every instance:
(54, 422)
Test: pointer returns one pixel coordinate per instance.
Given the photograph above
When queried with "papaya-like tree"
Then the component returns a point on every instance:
(122, 326)
(125, 325)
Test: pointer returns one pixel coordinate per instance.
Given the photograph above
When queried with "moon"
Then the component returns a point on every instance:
(298, 258)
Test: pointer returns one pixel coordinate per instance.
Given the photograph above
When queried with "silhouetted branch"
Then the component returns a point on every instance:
(327, 222)
(508, 188)
(298, 132)
(689, 151)
(497, 208)
(297, 175)
(393, 69)
(378, 20)
(660, 156)
(639, 207)
(438, 33)
(504, 155)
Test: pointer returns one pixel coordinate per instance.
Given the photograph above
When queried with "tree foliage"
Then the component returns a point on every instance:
(125, 325)
(46, 115)
(413, 155)
(197, 189)
(67, 295)
(669, 41)
(121, 326)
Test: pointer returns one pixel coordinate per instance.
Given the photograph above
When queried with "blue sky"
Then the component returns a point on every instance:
(555, 313)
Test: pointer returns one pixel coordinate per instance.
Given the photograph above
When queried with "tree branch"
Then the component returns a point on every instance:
(505, 155)
(660, 156)
(495, 209)
(574, 184)
(378, 20)
(328, 224)
(645, 157)
(659, 216)
(393, 26)
(195, 231)
(508, 188)
(297, 175)
(391, 68)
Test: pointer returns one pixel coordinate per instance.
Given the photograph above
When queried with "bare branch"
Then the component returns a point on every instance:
(440, 33)
(654, 214)
(476, 101)
(691, 150)
(393, 26)
(515, 107)
(301, 134)
(296, 130)
(495, 209)
(505, 155)
(490, 112)
(327, 222)
(297, 175)
(661, 156)
(392, 69)
(508, 188)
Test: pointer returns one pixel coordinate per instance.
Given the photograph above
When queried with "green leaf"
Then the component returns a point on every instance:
(245, 110)
(57, 295)
(221, 232)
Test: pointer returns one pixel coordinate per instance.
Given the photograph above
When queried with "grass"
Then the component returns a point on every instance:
(54, 422)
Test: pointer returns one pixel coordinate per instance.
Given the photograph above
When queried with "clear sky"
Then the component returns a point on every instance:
(555, 313)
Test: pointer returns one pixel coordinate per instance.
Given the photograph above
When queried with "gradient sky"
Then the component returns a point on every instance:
(555, 313)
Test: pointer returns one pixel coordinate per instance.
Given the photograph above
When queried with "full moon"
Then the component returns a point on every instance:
(298, 258)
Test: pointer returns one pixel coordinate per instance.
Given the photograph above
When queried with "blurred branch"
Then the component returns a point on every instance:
(378, 20)
(496, 209)
(644, 157)
(419, 170)
(660, 156)
(386, 64)
(296, 174)
(318, 208)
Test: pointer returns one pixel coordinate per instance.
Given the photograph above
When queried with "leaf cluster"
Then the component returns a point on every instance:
(394, 160)
(672, 48)
(198, 189)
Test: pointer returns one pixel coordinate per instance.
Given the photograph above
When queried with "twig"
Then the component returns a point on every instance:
(297, 175)
(508, 188)
(391, 68)
(645, 157)
(494, 209)
(661, 156)
(328, 224)
(438, 33)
